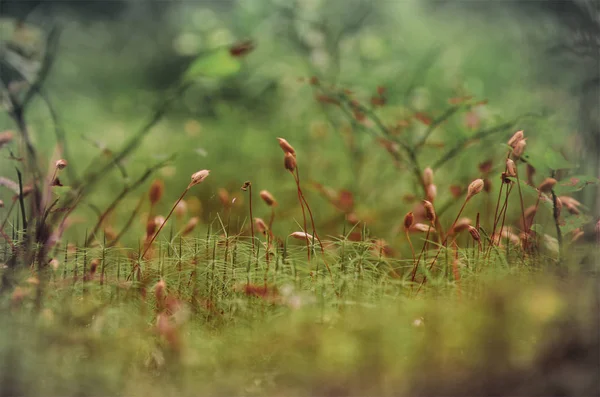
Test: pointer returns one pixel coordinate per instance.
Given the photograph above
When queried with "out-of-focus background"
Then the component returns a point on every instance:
(116, 62)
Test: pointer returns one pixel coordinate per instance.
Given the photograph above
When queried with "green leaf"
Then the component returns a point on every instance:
(556, 161)
(217, 64)
(62, 191)
(536, 161)
(574, 184)
(537, 228)
(574, 222)
(525, 187)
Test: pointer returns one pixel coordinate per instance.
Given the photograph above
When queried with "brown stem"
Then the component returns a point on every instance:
(128, 223)
(149, 244)
(297, 179)
(314, 229)
(445, 241)
(8, 240)
(412, 249)
(251, 216)
(521, 197)
(503, 216)
(497, 206)
(12, 206)
(416, 264)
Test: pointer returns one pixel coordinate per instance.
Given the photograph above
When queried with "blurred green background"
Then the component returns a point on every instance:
(117, 61)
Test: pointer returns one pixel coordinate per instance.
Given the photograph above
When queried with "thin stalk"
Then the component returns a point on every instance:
(412, 249)
(165, 221)
(416, 263)
(297, 179)
(445, 241)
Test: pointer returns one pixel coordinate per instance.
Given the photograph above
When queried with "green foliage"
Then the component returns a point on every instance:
(216, 64)
(369, 94)
(571, 184)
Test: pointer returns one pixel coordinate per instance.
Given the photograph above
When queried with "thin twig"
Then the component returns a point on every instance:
(126, 190)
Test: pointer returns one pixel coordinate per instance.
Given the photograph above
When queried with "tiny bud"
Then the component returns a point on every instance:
(301, 236)
(409, 219)
(156, 191)
(530, 174)
(110, 233)
(428, 176)
(190, 226)
(198, 177)
(352, 218)
(487, 185)
(246, 185)
(474, 233)
(159, 220)
(159, 290)
(431, 192)
(461, 225)
(17, 296)
(529, 216)
(6, 137)
(515, 139)
(519, 149)
(1, 204)
(223, 197)
(429, 211)
(558, 206)
(571, 204)
(181, 209)
(94, 267)
(421, 227)
(289, 162)
(547, 185)
(61, 164)
(268, 198)
(54, 264)
(286, 147)
(511, 168)
(150, 227)
(456, 191)
(260, 225)
(485, 167)
(474, 188)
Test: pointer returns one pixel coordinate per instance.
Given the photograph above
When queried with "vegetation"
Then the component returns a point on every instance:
(419, 240)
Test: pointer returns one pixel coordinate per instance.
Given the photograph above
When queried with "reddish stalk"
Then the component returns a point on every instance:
(149, 244)
(412, 249)
(445, 241)
(497, 207)
(504, 216)
(197, 178)
(522, 203)
(418, 261)
(248, 186)
(315, 234)
(300, 198)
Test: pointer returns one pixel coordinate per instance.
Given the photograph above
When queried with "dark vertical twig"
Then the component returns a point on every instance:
(556, 216)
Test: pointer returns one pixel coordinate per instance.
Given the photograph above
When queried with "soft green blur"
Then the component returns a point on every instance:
(104, 87)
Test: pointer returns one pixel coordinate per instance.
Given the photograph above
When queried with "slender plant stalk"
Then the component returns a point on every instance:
(297, 179)
(416, 263)
(314, 229)
(149, 244)
(251, 216)
(412, 249)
